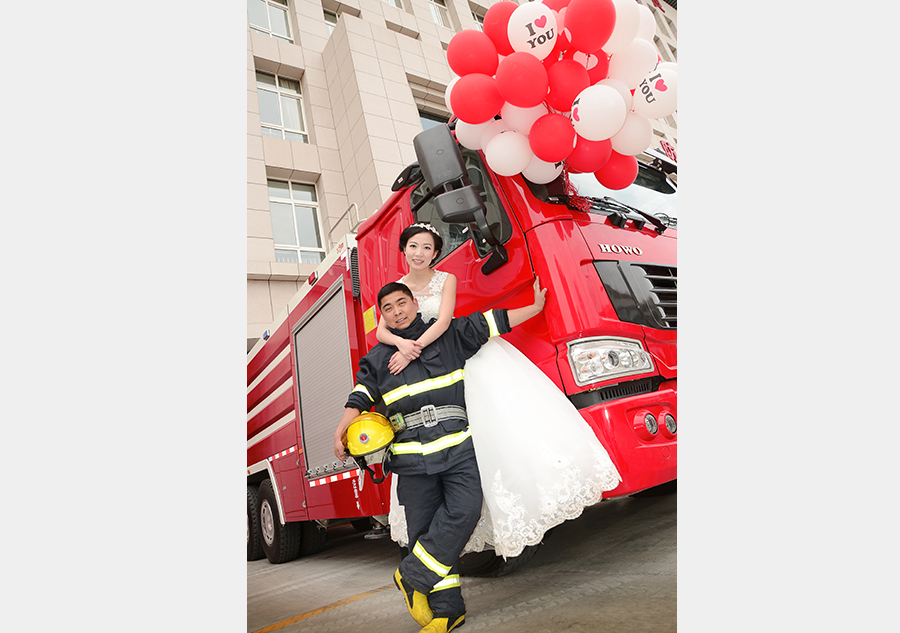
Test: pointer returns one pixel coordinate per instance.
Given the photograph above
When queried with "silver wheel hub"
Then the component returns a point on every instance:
(267, 519)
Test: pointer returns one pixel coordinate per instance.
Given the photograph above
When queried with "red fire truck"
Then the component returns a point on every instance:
(606, 338)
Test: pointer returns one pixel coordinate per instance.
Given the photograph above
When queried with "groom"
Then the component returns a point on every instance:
(440, 486)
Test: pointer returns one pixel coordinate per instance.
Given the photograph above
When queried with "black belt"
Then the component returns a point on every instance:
(427, 416)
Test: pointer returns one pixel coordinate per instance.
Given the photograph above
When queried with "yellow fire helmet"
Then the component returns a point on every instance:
(369, 438)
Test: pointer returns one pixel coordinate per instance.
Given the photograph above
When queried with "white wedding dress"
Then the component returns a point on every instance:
(540, 463)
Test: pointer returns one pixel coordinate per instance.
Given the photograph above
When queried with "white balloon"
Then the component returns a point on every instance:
(532, 29)
(508, 153)
(634, 137)
(598, 112)
(621, 87)
(628, 19)
(633, 63)
(657, 95)
(670, 65)
(492, 129)
(647, 28)
(521, 119)
(447, 91)
(540, 172)
(469, 134)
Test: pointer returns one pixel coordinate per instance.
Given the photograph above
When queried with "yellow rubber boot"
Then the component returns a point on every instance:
(442, 625)
(416, 602)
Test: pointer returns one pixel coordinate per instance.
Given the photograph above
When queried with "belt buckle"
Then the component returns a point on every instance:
(429, 416)
(397, 422)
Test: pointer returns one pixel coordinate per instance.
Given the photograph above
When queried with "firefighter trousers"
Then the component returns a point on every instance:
(442, 511)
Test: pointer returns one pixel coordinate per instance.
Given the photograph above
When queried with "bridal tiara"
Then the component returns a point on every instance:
(427, 227)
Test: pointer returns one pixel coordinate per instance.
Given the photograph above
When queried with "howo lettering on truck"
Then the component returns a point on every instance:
(606, 337)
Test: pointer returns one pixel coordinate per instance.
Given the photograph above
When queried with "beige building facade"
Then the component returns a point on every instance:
(336, 91)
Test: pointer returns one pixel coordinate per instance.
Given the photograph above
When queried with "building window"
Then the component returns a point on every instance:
(331, 19)
(439, 12)
(270, 17)
(429, 120)
(295, 222)
(394, 3)
(281, 107)
(479, 19)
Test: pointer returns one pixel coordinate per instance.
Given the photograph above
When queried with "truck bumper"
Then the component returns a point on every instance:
(643, 459)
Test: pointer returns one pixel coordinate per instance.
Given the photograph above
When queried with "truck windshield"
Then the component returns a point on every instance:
(651, 193)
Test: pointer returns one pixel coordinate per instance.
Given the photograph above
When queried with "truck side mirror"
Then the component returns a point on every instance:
(459, 206)
(439, 157)
(455, 201)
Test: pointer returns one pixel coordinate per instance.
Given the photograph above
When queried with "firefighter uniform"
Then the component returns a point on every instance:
(439, 485)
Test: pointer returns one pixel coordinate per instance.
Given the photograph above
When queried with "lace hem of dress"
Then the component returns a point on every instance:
(518, 527)
(572, 491)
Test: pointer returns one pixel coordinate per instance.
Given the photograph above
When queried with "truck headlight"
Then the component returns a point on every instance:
(594, 359)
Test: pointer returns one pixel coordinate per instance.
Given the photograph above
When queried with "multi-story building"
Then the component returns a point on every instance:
(336, 91)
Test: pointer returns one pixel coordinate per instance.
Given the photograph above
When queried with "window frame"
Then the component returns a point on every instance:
(440, 13)
(328, 23)
(295, 202)
(281, 93)
(267, 30)
(479, 19)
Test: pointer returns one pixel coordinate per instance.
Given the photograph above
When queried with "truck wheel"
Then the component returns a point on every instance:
(486, 564)
(314, 537)
(281, 543)
(362, 525)
(254, 537)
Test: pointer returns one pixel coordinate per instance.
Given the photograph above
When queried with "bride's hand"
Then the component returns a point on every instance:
(409, 349)
(397, 363)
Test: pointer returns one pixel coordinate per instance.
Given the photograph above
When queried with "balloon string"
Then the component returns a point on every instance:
(579, 202)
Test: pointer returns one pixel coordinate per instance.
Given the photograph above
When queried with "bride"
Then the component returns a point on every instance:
(540, 463)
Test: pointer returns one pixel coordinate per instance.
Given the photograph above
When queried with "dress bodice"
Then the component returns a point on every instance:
(430, 297)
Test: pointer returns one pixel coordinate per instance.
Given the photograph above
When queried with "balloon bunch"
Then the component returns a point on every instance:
(575, 83)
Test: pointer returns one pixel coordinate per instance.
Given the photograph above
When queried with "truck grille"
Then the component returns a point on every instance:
(587, 399)
(663, 282)
(645, 294)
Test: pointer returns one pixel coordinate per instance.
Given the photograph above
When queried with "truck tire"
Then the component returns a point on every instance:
(281, 543)
(362, 525)
(254, 536)
(486, 564)
(313, 539)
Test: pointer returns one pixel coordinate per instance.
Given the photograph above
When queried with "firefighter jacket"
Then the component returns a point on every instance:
(436, 378)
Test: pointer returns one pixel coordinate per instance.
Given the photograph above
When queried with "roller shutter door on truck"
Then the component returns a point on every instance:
(325, 378)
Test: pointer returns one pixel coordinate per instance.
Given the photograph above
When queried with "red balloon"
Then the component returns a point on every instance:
(556, 5)
(566, 79)
(474, 98)
(590, 23)
(619, 172)
(588, 156)
(552, 137)
(600, 70)
(471, 51)
(521, 80)
(562, 43)
(597, 64)
(495, 25)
